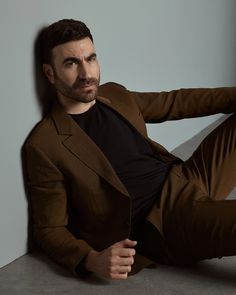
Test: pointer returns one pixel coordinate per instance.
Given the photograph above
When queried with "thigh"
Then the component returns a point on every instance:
(210, 232)
(171, 215)
(213, 164)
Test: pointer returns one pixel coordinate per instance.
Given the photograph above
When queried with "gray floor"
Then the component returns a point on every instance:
(35, 274)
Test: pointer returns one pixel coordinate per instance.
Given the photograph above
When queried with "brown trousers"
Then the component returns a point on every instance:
(197, 222)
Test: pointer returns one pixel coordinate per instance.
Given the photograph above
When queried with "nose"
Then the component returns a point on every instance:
(84, 71)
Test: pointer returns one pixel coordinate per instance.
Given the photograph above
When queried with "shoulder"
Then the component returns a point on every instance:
(112, 85)
(110, 88)
(41, 133)
(44, 143)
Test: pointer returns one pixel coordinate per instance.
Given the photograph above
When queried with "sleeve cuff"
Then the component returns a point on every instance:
(80, 269)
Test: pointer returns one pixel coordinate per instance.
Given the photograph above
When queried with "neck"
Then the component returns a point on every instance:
(74, 107)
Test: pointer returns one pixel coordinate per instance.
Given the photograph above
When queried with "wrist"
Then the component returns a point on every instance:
(89, 260)
(81, 269)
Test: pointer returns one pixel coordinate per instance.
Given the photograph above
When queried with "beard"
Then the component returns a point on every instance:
(78, 91)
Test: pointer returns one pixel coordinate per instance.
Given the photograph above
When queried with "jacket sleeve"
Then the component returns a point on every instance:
(185, 103)
(49, 211)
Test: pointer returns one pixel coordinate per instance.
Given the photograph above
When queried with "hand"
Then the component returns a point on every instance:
(114, 262)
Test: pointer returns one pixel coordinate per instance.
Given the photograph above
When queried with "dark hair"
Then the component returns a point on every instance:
(60, 32)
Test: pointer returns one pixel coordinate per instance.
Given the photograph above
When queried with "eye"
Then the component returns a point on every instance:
(92, 58)
(69, 64)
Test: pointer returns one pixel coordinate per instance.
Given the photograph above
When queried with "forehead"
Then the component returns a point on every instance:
(79, 48)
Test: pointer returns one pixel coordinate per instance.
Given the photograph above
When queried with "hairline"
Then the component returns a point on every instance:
(73, 39)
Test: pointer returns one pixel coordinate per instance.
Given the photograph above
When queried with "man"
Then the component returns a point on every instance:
(107, 199)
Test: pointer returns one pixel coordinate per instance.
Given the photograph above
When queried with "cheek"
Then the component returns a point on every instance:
(69, 77)
(96, 71)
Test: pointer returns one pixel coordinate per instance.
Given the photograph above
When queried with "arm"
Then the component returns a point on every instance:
(49, 211)
(185, 103)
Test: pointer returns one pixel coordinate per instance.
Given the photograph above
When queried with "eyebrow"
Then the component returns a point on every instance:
(78, 60)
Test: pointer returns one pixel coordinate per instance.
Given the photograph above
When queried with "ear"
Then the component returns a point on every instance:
(48, 71)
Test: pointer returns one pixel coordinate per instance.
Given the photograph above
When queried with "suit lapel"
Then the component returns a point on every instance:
(80, 144)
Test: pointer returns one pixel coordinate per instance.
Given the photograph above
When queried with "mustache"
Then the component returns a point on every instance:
(85, 82)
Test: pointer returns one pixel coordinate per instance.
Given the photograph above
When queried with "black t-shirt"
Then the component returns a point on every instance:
(139, 169)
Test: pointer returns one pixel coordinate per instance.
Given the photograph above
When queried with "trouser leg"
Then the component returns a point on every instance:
(213, 164)
(197, 222)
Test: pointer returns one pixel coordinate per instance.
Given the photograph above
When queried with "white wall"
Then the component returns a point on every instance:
(146, 45)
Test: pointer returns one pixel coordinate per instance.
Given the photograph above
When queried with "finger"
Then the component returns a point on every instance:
(125, 252)
(116, 253)
(123, 269)
(129, 243)
(120, 269)
(125, 261)
(118, 276)
(126, 243)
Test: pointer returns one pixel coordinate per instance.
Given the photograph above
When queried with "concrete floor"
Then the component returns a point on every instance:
(35, 273)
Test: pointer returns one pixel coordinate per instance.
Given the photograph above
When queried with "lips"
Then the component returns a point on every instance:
(86, 84)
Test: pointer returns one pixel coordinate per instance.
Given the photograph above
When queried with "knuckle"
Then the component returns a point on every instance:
(129, 268)
(112, 250)
(125, 276)
(111, 269)
(113, 261)
(131, 252)
(112, 276)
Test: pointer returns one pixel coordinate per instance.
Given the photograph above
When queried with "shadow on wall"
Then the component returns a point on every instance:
(45, 93)
(45, 96)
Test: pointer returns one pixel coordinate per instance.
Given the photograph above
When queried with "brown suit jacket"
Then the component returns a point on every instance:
(78, 201)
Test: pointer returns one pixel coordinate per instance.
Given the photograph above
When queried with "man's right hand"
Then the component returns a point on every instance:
(114, 262)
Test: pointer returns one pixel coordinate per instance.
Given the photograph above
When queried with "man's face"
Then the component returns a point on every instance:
(74, 70)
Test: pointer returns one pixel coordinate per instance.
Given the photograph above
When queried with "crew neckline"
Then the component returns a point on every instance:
(88, 112)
